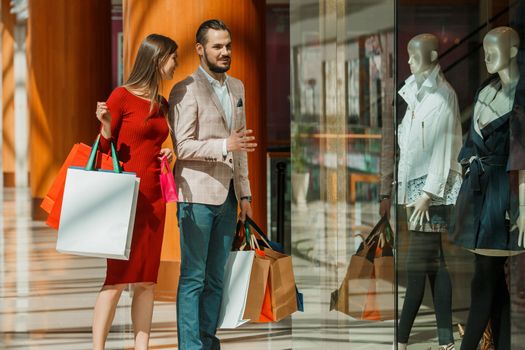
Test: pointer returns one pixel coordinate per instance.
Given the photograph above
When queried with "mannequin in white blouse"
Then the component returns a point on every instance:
(423, 58)
(429, 177)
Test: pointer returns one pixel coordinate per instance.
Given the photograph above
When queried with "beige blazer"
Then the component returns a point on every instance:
(199, 127)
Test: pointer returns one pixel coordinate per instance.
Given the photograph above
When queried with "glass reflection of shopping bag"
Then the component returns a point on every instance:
(98, 210)
(367, 291)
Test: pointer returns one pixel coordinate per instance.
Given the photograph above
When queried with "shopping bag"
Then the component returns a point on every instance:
(167, 182)
(281, 285)
(98, 210)
(367, 291)
(78, 156)
(236, 282)
(258, 284)
(277, 247)
(169, 269)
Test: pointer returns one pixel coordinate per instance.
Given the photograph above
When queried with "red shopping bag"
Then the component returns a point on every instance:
(78, 156)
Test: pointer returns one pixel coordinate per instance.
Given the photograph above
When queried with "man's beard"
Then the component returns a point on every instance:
(214, 68)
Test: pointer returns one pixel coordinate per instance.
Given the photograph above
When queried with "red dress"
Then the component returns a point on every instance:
(138, 135)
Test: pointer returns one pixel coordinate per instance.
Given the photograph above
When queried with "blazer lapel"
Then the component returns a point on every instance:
(235, 97)
(213, 96)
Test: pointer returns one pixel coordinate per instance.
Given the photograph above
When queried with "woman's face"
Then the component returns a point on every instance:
(168, 67)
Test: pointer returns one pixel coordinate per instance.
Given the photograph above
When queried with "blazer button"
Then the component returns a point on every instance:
(231, 161)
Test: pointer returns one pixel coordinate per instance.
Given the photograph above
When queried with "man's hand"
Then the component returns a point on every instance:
(420, 209)
(240, 140)
(384, 207)
(246, 209)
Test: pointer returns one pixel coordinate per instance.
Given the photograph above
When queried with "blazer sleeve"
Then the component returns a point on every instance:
(243, 161)
(184, 119)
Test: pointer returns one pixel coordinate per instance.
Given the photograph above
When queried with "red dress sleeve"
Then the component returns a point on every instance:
(115, 105)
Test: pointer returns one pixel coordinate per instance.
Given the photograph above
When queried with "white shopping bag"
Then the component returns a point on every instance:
(236, 281)
(98, 211)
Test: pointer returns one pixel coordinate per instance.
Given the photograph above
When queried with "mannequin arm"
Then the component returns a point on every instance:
(521, 217)
(421, 209)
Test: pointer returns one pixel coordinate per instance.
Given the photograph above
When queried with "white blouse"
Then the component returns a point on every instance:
(429, 136)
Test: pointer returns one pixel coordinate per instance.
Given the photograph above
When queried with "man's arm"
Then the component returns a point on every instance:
(183, 112)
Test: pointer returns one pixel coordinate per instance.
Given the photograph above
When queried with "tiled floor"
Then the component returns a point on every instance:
(47, 298)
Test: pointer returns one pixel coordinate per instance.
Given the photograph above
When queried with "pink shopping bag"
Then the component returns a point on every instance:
(167, 182)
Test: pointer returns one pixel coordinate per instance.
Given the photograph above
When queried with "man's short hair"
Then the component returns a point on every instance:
(215, 24)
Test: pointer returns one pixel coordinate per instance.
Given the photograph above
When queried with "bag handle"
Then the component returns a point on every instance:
(382, 231)
(264, 238)
(164, 165)
(93, 155)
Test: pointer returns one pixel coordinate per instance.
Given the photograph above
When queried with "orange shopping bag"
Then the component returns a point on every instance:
(78, 156)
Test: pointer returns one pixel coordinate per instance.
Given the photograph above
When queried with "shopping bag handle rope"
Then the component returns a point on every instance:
(93, 155)
(249, 222)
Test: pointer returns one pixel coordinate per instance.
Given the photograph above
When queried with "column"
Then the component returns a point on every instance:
(69, 70)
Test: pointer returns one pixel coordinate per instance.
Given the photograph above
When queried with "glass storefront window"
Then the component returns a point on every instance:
(384, 97)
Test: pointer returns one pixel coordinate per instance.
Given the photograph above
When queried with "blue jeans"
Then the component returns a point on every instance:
(206, 237)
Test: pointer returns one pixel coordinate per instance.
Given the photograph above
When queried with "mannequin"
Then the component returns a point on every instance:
(429, 179)
(490, 209)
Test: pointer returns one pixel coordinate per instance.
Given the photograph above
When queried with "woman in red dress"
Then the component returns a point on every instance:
(135, 118)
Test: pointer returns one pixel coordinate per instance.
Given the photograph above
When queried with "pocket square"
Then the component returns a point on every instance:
(239, 103)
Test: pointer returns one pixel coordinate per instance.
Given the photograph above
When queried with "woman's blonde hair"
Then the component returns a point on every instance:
(146, 72)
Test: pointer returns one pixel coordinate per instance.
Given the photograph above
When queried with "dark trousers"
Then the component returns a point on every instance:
(425, 259)
(489, 299)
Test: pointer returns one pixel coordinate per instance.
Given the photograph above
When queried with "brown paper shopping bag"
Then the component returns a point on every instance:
(352, 295)
(257, 286)
(367, 291)
(281, 284)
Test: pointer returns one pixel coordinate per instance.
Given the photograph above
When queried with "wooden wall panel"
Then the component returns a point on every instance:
(69, 70)
(8, 89)
(179, 19)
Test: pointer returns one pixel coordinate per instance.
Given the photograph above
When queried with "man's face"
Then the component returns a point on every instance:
(217, 50)
(417, 61)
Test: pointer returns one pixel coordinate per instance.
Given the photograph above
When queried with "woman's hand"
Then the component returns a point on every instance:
(420, 209)
(104, 116)
(166, 152)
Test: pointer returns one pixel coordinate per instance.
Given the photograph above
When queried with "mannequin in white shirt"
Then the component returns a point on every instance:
(429, 178)
(480, 225)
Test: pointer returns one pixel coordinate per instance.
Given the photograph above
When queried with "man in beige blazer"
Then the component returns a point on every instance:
(208, 119)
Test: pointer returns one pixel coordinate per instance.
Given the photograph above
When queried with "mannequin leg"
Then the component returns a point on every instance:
(422, 254)
(487, 275)
(441, 287)
(500, 314)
